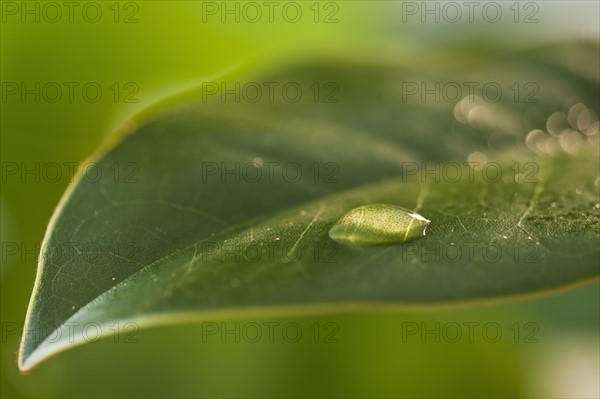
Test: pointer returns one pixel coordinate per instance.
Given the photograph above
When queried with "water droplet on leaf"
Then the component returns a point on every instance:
(378, 224)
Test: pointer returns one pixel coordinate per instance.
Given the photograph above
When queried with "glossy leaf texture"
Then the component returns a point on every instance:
(224, 208)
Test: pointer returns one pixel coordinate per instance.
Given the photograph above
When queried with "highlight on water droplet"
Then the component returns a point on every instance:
(378, 224)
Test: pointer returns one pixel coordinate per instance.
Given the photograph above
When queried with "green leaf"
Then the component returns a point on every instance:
(179, 225)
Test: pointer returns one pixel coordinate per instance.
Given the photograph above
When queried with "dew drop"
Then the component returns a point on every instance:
(378, 224)
(258, 162)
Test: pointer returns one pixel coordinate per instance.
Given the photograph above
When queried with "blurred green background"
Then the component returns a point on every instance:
(166, 49)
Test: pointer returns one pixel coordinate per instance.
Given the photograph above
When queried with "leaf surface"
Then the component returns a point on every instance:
(225, 208)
